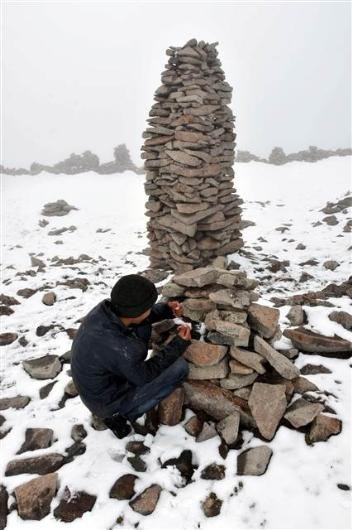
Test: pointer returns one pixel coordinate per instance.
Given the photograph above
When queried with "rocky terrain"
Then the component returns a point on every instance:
(271, 325)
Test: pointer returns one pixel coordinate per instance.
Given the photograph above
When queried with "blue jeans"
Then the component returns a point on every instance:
(143, 398)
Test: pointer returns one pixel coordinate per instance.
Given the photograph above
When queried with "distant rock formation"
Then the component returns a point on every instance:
(313, 154)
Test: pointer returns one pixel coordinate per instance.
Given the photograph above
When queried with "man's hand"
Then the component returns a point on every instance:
(184, 332)
(176, 307)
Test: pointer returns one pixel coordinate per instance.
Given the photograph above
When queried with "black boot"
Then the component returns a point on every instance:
(118, 425)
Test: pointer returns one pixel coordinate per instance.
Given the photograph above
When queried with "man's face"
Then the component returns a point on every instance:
(143, 316)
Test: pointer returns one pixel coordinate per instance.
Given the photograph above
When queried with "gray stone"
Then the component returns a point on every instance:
(302, 412)
(36, 438)
(278, 361)
(263, 319)
(197, 277)
(254, 461)
(46, 367)
(207, 432)
(17, 402)
(49, 298)
(235, 381)
(267, 404)
(228, 428)
(248, 358)
(202, 353)
(238, 368)
(41, 465)
(296, 315)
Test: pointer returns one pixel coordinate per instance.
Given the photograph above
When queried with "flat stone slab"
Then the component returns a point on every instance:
(38, 464)
(46, 367)
(215, 371)
(254, 461)
(311, 342)
(278, 361)
(197, 277)
(248, 358)
(267, 404)
(215, 401)
(235, 381)
(17, 402)
(302, 412)
(203, 353)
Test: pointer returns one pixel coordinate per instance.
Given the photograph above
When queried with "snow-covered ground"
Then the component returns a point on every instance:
(299, 489)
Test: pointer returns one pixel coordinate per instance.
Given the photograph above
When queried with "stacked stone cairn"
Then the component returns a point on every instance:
(193, 207)
(237, 379)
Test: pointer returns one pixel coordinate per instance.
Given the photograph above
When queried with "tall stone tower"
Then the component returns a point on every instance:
(193, 209)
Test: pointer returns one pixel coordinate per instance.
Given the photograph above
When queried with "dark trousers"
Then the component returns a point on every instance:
(145, 397)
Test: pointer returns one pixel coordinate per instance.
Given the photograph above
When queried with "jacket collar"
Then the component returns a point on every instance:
(110, 313)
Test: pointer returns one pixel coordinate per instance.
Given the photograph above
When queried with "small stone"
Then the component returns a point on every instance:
(45, 390)
(123, 488)
(145, 503)
(228, 428)
(263, 319)
(17, 402)
(34, 497)
(296, 315)
(4, 496)
(46, 367)
(313, 369)
(36, 438)
(183, 463)
(136, 447)
(73, 506)
(70, 389)
(137, 463)
(303, 385)
(302, 412)
(7, 338)
(213, 472)
(193, 426)
(343, 318)
(211, 506)
(322, 428)
(238, 368)
(49, 298)
(254, 461)
(208, 431)
(78, 432)
(331, 264)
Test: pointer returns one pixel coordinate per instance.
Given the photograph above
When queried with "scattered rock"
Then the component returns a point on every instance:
(74, 505)
(183, 463)
(213, 472)
(49, 298)
(34, 497)
(313, 369)
(322, 428)
(145, 503)
(41, 465)
(228, 428)
(254, 461)
(123, 488)
(302, 412)
(211, 506)
(17, 402)
(310, 342)
(343, 318)
(36, 438)
(46, 367)
(78, 432)
(296, 315)
(7, 338)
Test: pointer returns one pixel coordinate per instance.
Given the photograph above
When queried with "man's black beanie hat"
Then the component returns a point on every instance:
(132, 295)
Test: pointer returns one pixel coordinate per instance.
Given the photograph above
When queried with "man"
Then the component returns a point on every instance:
(108, 364)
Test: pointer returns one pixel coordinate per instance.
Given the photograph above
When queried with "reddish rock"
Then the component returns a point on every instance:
(322, 428)
(34, 497)
(145, 503)
(123, 488)
(170, 408)
(267, 404)
(203, 353)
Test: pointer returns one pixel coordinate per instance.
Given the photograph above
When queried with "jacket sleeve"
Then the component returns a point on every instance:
(160, 311)
(140, 372)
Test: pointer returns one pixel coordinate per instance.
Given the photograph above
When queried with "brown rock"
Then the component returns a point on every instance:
(267, 404)
(145, 503)
(123, 488)
(215, 371)
(197, 277)
(322, 428)
(36, 438)
(8, 338)
(311, 342)
(211, 506)
(302, 412)
(34, 497)
(254, 461)
(202, 353)
(74, 505)
(38, 464)
(263, 319)
(170, 408)
(193, 426)
(278, 361)
(248, 358)
(234, 381)
(17, 402)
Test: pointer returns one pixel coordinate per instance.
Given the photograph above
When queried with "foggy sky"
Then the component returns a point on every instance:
(81, 75)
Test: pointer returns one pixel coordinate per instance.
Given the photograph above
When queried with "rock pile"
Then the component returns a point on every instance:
(237, 378)
(57, 208)
(193, 207)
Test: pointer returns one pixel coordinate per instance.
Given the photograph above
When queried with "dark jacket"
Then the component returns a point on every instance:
(108, 358)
